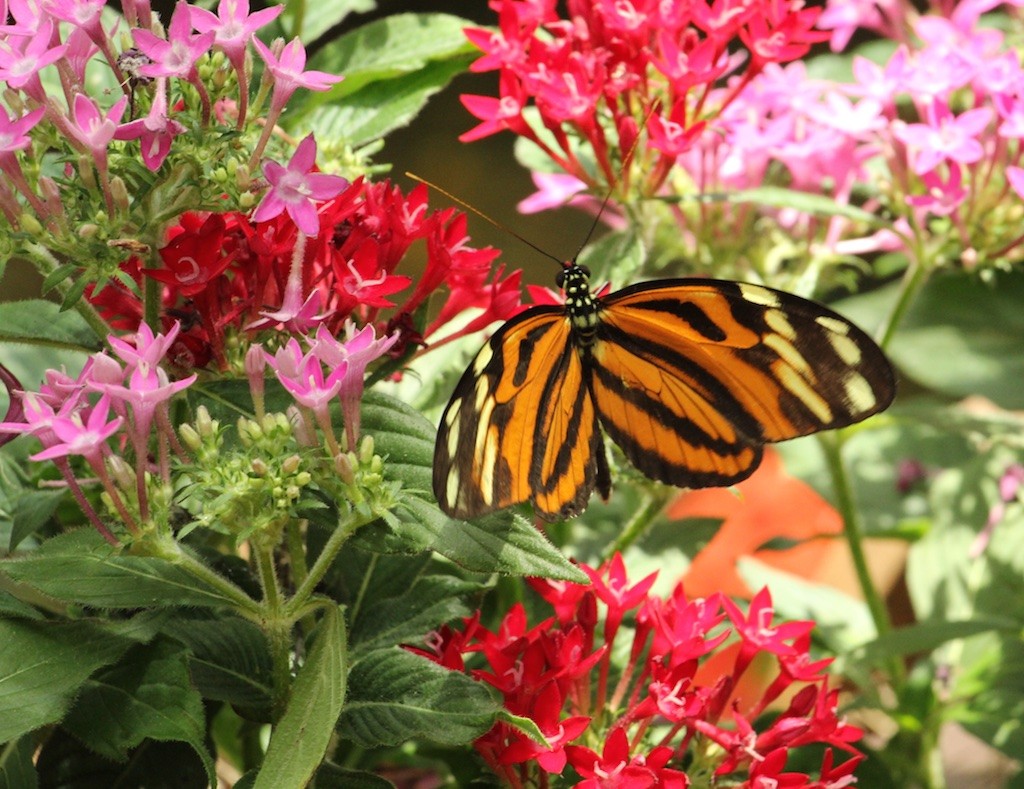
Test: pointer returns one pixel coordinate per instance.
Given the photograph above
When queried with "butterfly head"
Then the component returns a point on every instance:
(574, 280)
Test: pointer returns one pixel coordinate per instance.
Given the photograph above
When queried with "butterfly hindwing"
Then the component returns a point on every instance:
(520, 426)
(692, 377)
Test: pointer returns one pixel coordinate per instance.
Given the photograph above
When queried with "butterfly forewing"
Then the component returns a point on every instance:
(691, 377)
(520, 426)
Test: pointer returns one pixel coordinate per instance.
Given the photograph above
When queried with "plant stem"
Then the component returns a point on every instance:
(276, 625)
(853, 530)
(300, 570)
(913, 280)
(167, 548)
(652, 505)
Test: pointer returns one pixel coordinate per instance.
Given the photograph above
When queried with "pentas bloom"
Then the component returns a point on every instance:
(683, 710)
(593, 76)
(72, 417)
(225, 275)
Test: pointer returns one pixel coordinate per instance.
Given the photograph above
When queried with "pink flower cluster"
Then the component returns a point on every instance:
(595, 74)
(224, 274)
(68, 422)
(664, 709)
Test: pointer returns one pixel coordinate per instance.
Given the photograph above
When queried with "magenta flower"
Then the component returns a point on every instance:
(288, 73)
(1015, 175)
(233, 26)
(21, 60)
(93, 130)
(945, 136)
(303, 377)
(14, 132)
(144, 346)
(294, 188)
(177, 56)
(88, 439)
(83, 14)
(361, 347)
(553, 191)
(942, 196)
(155, 132)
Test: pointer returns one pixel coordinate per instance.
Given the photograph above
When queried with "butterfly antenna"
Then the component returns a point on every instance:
(625, 163)
(486, 218)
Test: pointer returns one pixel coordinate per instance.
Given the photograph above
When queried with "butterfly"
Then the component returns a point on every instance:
(690, 377)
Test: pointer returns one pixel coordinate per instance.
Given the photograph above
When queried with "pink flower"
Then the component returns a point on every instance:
(288, 73)
(92, 129)
(1015, 175)
(83, 14)
(233, 26)
(945, 136)
(14, 132)
(942, 196)
(553, 191)
(294, 188)
(21, 60)
(177, 56)
(156, 131)
(75, 437)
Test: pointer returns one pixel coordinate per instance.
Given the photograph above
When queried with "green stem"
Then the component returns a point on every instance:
(913, 280)
(323, 562)
(652, 505)
(46, 264)
(853, 530)
(244, 605)
(297, 560)
(276, 625)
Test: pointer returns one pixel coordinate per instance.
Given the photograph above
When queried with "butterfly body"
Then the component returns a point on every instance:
(690, 377)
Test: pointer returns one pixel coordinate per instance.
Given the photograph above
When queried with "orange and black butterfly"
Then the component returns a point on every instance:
(690, 377)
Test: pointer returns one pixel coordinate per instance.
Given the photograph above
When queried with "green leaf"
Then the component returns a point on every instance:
(65, 762)
(44, 664)
(327, 15)
(961, 336)
(780, 197)
(80, 567)
(925, 637)
(17, 770)
(499, 543)
(390, 47)
(145, 695)
(229, 660)
(40, 322)
(300, 739)
(421, 607)
(32, 510)
(331, 776)
(397, 696)
(381, 107)
(618, 255)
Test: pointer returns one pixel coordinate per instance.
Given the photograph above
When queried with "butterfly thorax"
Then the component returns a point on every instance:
(581, 306)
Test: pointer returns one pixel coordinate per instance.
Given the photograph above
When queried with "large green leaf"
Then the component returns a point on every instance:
(229, 659)
(17, 770)
(300, 739)
(145, 695)
(379, 108)
(40, 322)
(79, 567)
(423, 605)
(319, 20)
(43, 664)
(397, 696)
(390, 47)
(962, 336)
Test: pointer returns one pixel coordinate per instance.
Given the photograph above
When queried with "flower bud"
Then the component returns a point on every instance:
(259, 467)
(206, 426)
(366, 450)
(30, 224)
(190, 438)
(119, 192)
(291, 464)
(343, 465)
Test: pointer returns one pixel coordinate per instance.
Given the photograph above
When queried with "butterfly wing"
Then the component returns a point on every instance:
(692, 377)
(521, 425)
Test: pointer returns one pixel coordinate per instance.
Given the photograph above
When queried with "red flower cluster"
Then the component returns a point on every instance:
(613, 61)
(224, 274)
(668, 718)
